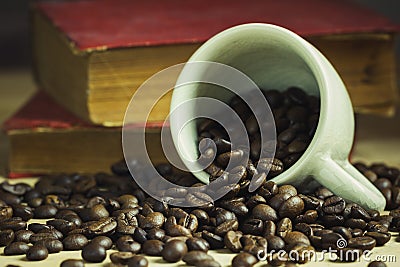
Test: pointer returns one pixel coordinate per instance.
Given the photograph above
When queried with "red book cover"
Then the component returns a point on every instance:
(122, 23)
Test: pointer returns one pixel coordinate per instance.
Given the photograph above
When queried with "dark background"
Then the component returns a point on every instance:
(15, 31)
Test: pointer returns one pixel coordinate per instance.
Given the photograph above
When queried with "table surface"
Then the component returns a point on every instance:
(377, 140)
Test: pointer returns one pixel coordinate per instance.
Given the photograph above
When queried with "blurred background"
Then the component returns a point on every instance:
(15, 75)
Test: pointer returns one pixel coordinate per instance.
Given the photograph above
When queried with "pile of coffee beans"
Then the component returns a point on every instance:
(386, 179)
(296, 116)
(97, 213)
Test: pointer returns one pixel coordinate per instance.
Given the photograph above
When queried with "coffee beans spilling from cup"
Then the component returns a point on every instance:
(275, 224)
(296, 117)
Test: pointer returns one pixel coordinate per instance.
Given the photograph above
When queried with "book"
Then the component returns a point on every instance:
(91, 56)
(45, 138)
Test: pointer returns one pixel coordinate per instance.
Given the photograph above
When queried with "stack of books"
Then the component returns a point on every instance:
(91, 56)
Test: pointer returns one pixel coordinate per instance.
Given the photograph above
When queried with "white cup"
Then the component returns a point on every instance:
(274, 57)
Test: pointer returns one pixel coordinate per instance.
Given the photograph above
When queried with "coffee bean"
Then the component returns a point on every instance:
(323, 193)
(103, 241)
(196, 243)
(72, 263)
(101, 227)
(333, 205)
(264, 212)
(23, 236)
(14, 223)
(363, 243)
(355, 223)
(224, 227)
(52, 245)
(284, 226)
(37, 253)
(174, 251)
(333, 220)
(6, 237)
(357, 232)
(343, 231)
(127, 244)
(201, 216)
(275, 243)
(152, 247)
(75, 242)
(244, 259)
(45, 212)
(304, 228)
(16, 248)
(296, 237)
(121, 258)
(37, 227)
(232, 241)
(192, 257)
(376, 264)
(138, 261)
(215, 241)
(269, 228)
(93, 252)
(252, 226)
(19, 210)
(380, 238)
(310, 216)
(292, 207)
(330, 240)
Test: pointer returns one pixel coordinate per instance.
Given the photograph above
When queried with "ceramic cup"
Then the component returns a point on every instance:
(274, 57)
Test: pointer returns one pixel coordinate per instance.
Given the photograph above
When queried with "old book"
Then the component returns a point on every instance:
(45, 138)
(91, 56)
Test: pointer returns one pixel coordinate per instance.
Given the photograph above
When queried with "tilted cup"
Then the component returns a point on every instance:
(274, 57)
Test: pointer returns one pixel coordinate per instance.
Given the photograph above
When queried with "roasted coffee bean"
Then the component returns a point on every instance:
(72, 263)
(356, 232)
(152, 247)
(333, 205)
(19, 210)
(310, 216)
(155, 233)
(138, 261)
(252, 226)
(6, 212)
(244, 259)
(14, 223)
(153, 220)
(101, 227)
(75, 242)
(296, 237)
(323, 193)
(355, 223)
(264, 212)
(54, 232)
(192, 257)
(37, 227)
(331, 240)
(380, 238)
(292, 207)
(16, 248)
(287, 189)
(277, 200)
(196, 243)
(237, 207)
(269, 228)
(333, 220)
(311, 202)
(224, 227)
(362, 242)
(232, 241)
(23, 236)
(37, 253)
(215, 241)
(304, 228)
(62, 225)
(103, 241)
(174, 250)
(52, 245)
(358, 212)
(283, 227)
(121, 258)
(343, 231)
(93, 252)
(45, 212)
(127, 244)
(275, 243)
(201, 215)
(376, 264)
(6, 237)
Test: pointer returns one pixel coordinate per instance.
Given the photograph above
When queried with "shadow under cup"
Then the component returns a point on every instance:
(275, 58)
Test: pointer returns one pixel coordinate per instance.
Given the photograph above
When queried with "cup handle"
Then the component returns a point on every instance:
(345, 180)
